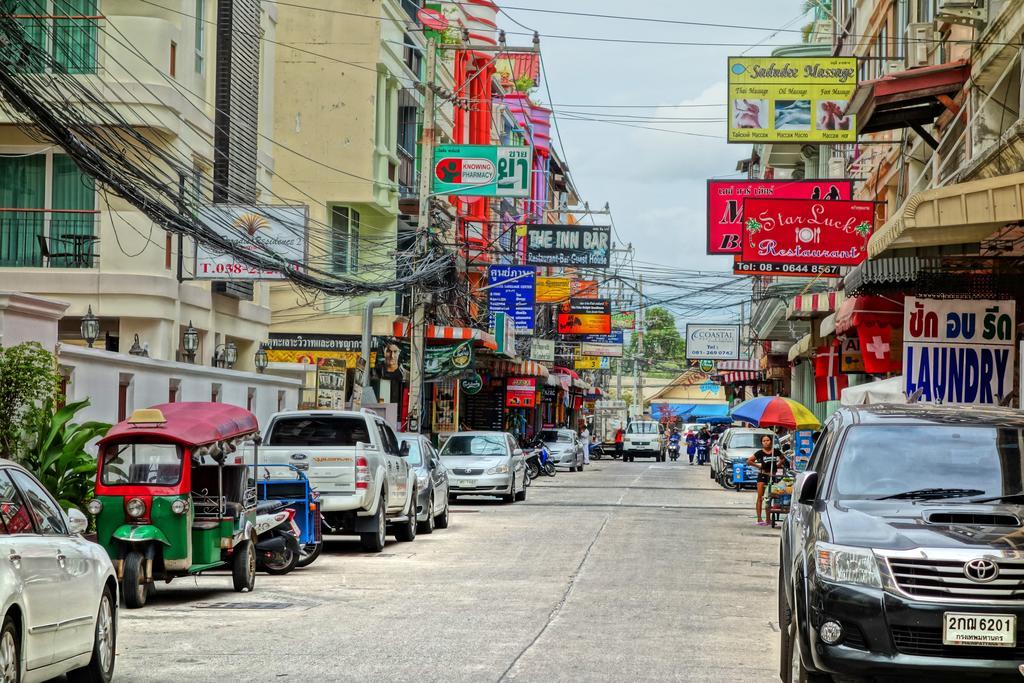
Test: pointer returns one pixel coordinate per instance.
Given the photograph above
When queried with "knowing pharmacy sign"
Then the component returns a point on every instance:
(482, 171)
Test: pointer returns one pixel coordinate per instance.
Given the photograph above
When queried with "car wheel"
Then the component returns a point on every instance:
(427, 527)
(406, 532)
(10, 651)
(133, 583)
(100, 668)
(796, 671)
(373, 541)
(308, 553)
(521, 495)
(441, 521)
(243, 567)
(510, 497)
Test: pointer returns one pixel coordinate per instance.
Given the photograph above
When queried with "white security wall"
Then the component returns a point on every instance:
(25, 318)
(98, 375)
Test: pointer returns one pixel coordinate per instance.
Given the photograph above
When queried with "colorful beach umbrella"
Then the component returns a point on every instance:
(775, 411)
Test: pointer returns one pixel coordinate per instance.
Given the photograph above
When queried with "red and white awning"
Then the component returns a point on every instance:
(810, 305)
(740, 376)
(525, 368)
(445, 333)
(751, 365)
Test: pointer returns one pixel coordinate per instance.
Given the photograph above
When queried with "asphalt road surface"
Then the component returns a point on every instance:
(627, 571)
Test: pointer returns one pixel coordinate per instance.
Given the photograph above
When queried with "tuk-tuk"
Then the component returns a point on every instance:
(174, 497)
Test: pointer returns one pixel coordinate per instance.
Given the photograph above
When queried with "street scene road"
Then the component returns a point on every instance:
(627, 571)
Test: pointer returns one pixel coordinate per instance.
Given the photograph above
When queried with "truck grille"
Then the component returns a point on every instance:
(927, 642)
(945, 580)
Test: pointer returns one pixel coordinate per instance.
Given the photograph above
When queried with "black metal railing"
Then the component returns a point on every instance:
(36, 238)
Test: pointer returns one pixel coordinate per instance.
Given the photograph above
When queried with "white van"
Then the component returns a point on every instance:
(644, 438)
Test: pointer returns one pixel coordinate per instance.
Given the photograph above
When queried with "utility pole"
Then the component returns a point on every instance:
(618, 363)
(417, 335)
(638, 397)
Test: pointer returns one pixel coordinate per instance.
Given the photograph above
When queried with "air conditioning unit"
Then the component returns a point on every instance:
(921, 38)
(890, 67)
(837, 167)
(967, 12)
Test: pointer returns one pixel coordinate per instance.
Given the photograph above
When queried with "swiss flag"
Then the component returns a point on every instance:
(829, 388)
(882, 352)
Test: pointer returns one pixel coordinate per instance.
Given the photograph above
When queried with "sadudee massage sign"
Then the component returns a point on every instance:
(794, 100)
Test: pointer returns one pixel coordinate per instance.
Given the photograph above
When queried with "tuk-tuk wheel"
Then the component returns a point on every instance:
(134, 582)
(243, 568)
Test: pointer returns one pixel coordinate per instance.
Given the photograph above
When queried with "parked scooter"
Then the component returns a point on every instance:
(277, 538)
(539, 461)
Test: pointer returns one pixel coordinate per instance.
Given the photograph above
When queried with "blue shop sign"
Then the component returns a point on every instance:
(512, 291)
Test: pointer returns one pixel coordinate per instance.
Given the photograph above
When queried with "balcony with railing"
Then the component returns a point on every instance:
(45, 238)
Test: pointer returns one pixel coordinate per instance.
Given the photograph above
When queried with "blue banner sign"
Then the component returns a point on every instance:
(512, 291)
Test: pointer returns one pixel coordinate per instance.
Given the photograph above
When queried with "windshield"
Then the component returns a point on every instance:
(749, 440)
(414, 457)
(158, 464)
(555, 436)
(878, 461)
(474, 445)
(642, 428)
(318, 430)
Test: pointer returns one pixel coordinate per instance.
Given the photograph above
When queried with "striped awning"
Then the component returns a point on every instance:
(445, 333)
(751, 365)
(741, 376)
(887, 273)
(812, 304)
(524, 368)
(804, 347)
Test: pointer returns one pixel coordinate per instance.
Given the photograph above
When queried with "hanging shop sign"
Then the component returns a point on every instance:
(583, 289)
(624, 320)
(543, 350)
(471, 383)
(712, 342)
(585, 246)
(315, 349)
(958, 350)
(851, 361)
(742, 267)
(439, 361)
(504, 331)
(585, 316)
(553, 290)
(591, 363)
(614, 337)
(482, 171)
(521, 392)
(432, 19)
(791, 100)
(512, 291)
(268, 232)
(706, 366)
(801, 237)
(604, 350)
(330, 384)
(726, 198)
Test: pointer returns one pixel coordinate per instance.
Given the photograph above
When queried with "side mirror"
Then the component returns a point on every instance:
(77, 522)
(404, 449)
(807, 488)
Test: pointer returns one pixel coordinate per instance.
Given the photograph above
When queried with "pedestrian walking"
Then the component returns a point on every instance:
(620, 435)
(585, 438)
(691, 445)
(768, 461)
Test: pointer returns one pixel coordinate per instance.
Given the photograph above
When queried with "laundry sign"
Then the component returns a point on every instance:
(958, 350)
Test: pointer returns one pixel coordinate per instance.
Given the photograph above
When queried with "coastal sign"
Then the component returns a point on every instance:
(958, 350)
(712, 342)
(801, 236)
(482, 171)
(586, 246)
(791, 99)
(726, 197)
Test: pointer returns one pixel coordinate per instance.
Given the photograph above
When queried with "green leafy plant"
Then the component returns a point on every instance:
(28, 378)
(525, 84)
(57, 455)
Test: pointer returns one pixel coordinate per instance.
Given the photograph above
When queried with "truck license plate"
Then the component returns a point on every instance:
(986, 630)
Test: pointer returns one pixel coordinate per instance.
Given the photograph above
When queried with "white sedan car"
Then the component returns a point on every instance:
(58, 591)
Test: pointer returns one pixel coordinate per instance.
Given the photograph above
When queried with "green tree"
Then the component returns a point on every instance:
(28, 379)
(664, 348)
(57, 455)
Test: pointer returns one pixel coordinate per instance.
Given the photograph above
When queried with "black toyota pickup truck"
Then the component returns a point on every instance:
(903, 555)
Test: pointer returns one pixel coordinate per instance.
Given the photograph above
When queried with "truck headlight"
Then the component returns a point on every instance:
(498, 469)
(846, 564)
(135, 507)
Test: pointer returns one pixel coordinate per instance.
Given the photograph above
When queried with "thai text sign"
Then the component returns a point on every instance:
(267, 232)
(511, 291)
(807, 233)
(712, 342)
(585, 316)
(482, 171)
(726, 197)
(543, 350)
(614, 337)
(586, 246)
(553, 290)
(521, 392)
(605, 350)
(958, 350)
(794, 100)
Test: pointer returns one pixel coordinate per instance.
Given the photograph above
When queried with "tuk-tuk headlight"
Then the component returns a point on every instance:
(135, 507)
(95, 506)
(179, 506)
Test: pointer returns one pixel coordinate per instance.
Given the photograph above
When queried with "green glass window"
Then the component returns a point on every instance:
(22, 186)
(74, 40)
(72, 191)
(35, 34)
(345, 238)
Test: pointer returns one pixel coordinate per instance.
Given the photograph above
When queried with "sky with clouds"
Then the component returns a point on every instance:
(655, 180)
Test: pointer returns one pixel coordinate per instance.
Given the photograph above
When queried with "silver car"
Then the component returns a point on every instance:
(735, 445)
(431, 483)
(565, 448)
(485, 464)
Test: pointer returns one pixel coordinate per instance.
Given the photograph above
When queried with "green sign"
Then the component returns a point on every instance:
(472, 383)
(707, 366)
(482, 171)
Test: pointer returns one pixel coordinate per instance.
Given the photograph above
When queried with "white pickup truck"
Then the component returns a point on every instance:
(353, 459)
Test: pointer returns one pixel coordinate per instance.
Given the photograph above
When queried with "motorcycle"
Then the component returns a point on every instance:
(703, 450)
(539, 461)
(277, 538)
(596, 451)
(673, 450)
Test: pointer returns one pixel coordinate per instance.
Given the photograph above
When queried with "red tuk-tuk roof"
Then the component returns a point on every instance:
(189, 424)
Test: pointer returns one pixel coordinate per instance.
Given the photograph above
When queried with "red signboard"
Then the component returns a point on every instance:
(801, 232)
(742, 267)
(432, 19)
(585, 316)
(726, 197)
(521, 392)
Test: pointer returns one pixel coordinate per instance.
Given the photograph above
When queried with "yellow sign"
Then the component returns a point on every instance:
(796, 99)
(588, 363)
(553, 290)
(313, 357)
